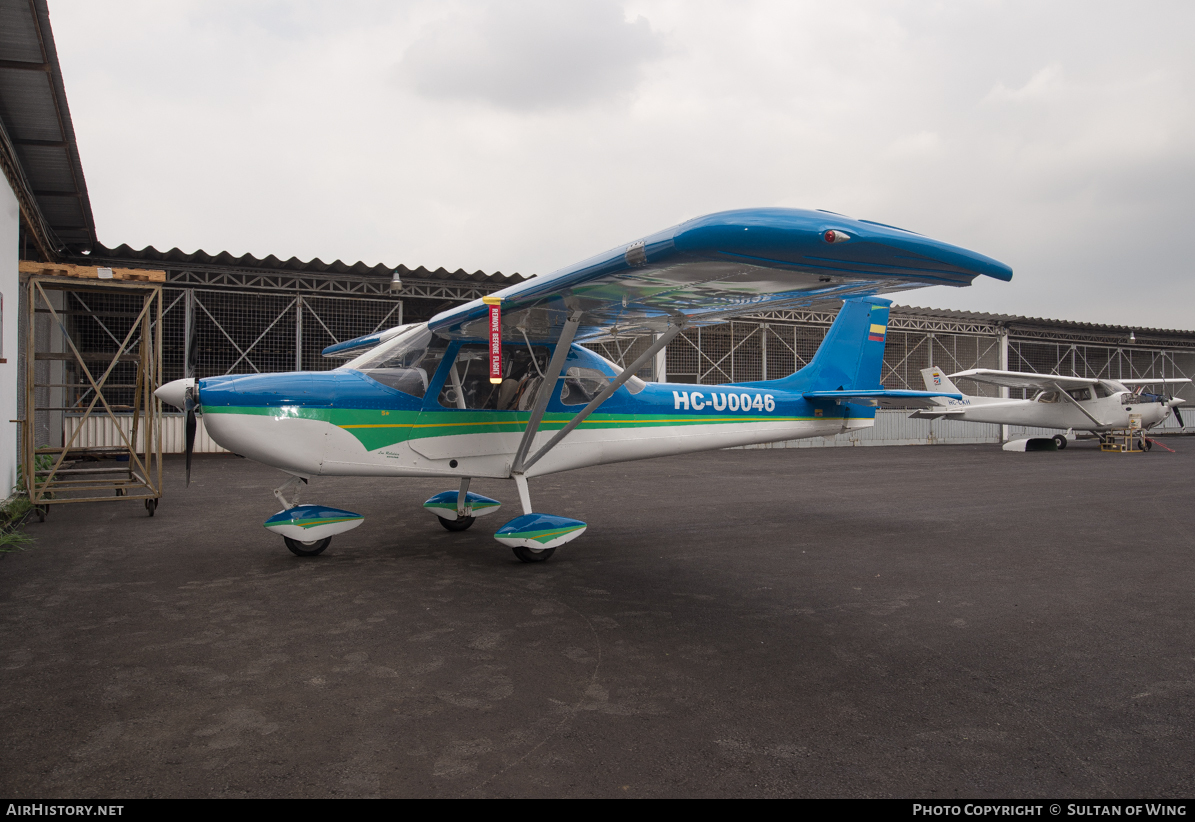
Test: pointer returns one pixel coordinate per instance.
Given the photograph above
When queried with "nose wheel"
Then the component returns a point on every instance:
(458, 524)
(307, 549)
(532, 555)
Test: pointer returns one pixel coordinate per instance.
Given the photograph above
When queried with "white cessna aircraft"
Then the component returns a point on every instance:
(501, 388)
(1069, 403)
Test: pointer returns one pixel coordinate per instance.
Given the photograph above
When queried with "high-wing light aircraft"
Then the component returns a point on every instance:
(501, 388)
(1069, 403)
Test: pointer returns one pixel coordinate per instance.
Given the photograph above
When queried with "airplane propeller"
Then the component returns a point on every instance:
(184, 394)
(190, 400)
(1174, 403)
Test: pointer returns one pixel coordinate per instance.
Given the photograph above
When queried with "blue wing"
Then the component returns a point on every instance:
(711, 268)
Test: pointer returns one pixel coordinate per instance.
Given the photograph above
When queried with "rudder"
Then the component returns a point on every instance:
(852, 353)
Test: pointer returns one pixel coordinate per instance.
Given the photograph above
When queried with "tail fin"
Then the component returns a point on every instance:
(851, 355)
(935, 380)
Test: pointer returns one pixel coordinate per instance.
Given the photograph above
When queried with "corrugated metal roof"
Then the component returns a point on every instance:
(38, 133)
(175, 258)
(1018, 320)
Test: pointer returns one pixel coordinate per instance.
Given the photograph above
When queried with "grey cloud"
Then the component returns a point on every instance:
(531, 55)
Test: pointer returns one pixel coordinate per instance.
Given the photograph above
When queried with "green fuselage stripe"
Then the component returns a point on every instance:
(377, 428)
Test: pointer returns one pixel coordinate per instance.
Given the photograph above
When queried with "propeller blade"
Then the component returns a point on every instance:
(191, 340)
(191, 430)
(1177, 416)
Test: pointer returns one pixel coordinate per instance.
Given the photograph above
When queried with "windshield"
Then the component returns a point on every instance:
(388, 345)
(407, 363)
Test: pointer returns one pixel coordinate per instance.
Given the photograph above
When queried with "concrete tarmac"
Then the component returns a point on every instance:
(929, 622)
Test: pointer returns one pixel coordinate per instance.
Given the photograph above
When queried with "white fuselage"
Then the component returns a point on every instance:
(312, 447)
(1110, 412)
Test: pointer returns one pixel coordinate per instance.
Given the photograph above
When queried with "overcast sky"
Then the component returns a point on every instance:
(1058, 137)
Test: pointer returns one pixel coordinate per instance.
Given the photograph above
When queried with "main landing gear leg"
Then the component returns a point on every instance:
(462, 522)
(524, 552)
(280, 492)
(524, 492)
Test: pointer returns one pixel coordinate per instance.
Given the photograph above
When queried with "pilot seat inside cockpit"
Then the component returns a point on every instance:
(468, 383)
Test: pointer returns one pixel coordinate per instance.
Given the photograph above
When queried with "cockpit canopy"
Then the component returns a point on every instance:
(1100, 390)
(406, 363)
(409, 362)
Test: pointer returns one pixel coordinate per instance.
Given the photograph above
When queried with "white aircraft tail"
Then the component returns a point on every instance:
(936, 380)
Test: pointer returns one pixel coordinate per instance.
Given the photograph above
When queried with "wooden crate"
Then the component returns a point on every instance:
(91, 272)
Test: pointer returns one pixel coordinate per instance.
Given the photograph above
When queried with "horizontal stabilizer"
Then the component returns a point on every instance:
(936, 412)
(883, 397)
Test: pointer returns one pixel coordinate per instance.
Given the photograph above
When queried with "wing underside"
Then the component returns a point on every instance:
(707, 270)
(884, 398)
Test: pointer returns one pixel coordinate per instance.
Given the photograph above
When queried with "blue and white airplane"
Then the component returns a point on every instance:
(512, 394)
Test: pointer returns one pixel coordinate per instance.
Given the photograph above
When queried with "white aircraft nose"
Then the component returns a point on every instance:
(175, 392)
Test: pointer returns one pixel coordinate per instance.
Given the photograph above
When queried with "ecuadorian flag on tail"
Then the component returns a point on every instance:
(876, 333)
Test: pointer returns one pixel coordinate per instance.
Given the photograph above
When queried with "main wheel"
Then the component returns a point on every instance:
(1145, 444)
(151, 505)
(307, 549)
(458, 524)
(531, 555)
(1060, 441)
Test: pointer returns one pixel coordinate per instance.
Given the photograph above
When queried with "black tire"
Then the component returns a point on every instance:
(151, 505)
(1145, 444)
(41, 511)
(458, 524)
(1060, 441)
(307, 549)
(527, 555)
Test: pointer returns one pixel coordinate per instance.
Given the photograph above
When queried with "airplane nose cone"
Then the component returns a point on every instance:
(175, 392)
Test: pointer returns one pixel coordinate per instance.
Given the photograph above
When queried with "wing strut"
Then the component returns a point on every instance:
(596, 402)
(545, 390)
(1075, 403)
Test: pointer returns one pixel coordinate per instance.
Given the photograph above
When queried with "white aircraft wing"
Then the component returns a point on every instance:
(1022, 379)
(721, 265)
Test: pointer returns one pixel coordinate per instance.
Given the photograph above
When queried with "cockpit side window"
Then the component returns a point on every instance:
(468, 386)
(633, 384)
(1102, 390)
(1049, 396)
(406, 363)
(1080, 394)
(581, 385)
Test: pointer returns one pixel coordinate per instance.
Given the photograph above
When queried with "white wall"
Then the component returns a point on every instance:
(10, 284)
